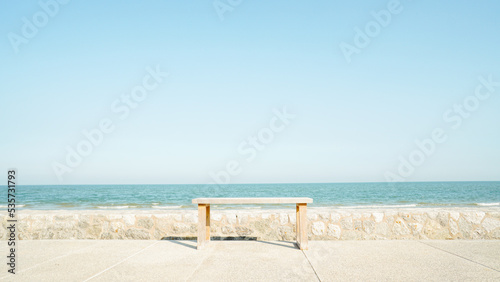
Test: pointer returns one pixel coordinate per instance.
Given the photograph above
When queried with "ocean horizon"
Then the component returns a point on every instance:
(336, 195)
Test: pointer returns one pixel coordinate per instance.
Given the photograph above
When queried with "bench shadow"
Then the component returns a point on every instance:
(175, 241)
(233, 238)
(212, 238)
(178, 240)
(284, 244)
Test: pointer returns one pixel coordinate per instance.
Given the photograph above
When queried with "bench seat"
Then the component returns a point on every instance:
(252, 201)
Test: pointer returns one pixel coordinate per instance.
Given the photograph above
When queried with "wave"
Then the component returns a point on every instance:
(167, 207)
(115, 207)
(17, 206)
(378, 206)
(488, 204)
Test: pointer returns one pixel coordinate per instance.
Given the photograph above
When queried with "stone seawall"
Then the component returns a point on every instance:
(323, 224)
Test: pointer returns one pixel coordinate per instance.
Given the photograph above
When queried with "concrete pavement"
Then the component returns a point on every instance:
(138, 260)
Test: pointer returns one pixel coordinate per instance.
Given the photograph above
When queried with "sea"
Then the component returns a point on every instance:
(337, 195)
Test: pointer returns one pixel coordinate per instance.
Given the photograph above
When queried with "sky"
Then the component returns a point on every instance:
(166, 92)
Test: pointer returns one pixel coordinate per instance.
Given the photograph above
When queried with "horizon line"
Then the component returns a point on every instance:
(263, 183)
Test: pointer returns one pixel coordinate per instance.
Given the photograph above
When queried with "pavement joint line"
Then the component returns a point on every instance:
(201, 262)
(317, 276)
(52, 259)
(140, 251)
(460, 256)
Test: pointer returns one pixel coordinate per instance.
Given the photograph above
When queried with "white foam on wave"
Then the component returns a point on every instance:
(116, 207)
(488, 204)
(167, 207)
(17, 206)
(379, 206)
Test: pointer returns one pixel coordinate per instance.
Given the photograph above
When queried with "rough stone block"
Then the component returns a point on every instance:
(180, 227)
(312, 217)
(357, 215)
(369, 226)
(318, 228)
(400, 228)
(465, 228)
(242, 231)
(190, 218)
(474, 217)
(442, 218)
(378, 216)
(334, 231)
(420, 218)
(146, 223)
(286, 233)
(335, 217)
(231, 218)
(489, 224)
(283, 218)
(129, 219)
(346, 223)
(215, 216)
(454, 215)
(405, 216)
(117, 226)
(358, 224)
(453, 227)
(242, 218)
(139, 234)
(382, 228)
(351, 235)
(416, 228)
(324, 216)
(478, 233)
(226, 230)
(495, 234)
(432, 214)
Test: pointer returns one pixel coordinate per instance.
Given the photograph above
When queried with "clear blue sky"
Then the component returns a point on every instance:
(353, 120)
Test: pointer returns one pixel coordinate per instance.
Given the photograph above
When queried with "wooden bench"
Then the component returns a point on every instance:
(204, 215)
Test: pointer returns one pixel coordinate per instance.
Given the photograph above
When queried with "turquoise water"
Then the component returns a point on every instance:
(343, 195)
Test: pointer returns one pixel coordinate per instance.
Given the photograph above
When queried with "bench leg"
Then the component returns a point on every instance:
(207, 225)
(297, 225)
(302, 226)
(203, 225)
